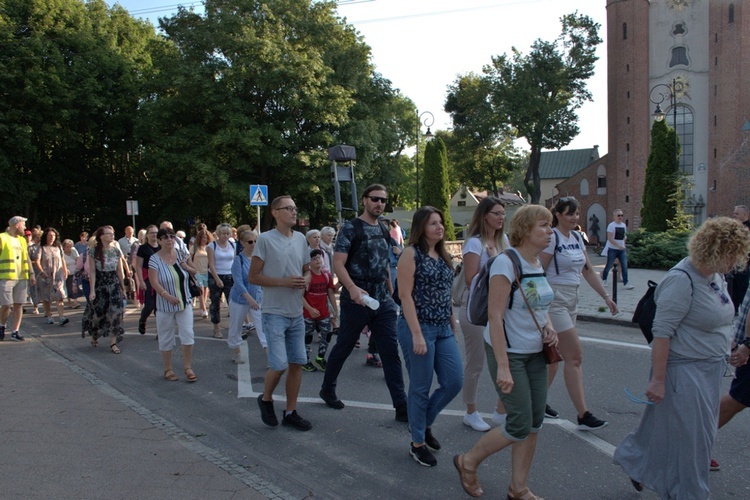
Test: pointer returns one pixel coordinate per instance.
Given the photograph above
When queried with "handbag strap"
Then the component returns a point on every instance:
(525, 301)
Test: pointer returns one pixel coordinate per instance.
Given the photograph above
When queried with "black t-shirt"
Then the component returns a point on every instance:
(146, 251)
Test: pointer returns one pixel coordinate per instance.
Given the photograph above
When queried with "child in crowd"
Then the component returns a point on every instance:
(319, 293)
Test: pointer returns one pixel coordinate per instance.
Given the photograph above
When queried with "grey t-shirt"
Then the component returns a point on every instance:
(282, 257)
(699, 327)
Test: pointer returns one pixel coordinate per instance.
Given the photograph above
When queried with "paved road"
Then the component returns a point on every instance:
(361, 451)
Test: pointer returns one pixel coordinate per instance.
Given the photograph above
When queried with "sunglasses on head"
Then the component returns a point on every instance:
(376, 199)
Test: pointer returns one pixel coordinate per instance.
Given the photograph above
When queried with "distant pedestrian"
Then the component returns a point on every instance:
(15, 276)
(199, 260)
(103, 314)
(221, 253)
(168, 275)
(669, 451)
(361, 264)
(615, 248)
(82, 245)
(51, 275)
(566, 261)
(738, 280)
(70, 254)
(427, 330)
(280, 265)
(142, 259)
(244, 299)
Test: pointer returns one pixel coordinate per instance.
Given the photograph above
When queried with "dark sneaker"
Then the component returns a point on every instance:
(320, 362)
(374, 360)
(294, 420)
(267, 414)
(590, 423)
(309, 367)
(142, 327)
(17, 336)
(64, 321)
(331, 399)
(714, 465)
(2, 332)
(550, 413)
(430, 440)
(402, 414)
(422, 455)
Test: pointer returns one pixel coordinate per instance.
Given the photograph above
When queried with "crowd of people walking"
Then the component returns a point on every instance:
(404, 292)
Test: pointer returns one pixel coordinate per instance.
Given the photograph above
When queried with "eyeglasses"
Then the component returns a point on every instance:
(289, 209)
(636, 399)
(249, 242)
(377, 199)
(619, 215)
(719, 292)
(169, 237)
(152, 232)
(498, 214)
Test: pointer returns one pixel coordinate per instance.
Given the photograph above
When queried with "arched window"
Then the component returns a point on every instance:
(601, 179)
(731, 13)
(679, 57)
(584, 189)
(685, 132)
(624, 31)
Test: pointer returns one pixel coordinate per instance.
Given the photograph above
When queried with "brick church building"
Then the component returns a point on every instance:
(691, 58)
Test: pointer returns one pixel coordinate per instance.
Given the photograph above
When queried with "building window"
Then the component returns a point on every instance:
(601, 182)
(627, 147)
(584, 188)
(624, 31)
(628, 120)
(731, 13)
(628, 94)
(679, 57)
(462, 203)
(627, 67)
(627, 198)
(627, 172)
(685, 132)
(714, 120)
(679, 29)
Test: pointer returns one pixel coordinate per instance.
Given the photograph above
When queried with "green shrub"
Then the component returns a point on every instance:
(658, 250)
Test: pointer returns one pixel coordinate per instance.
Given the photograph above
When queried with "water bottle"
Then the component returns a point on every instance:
(370, 302)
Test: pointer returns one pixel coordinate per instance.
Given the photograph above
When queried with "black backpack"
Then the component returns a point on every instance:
(356, 243)
(645, 311)
(477, 303)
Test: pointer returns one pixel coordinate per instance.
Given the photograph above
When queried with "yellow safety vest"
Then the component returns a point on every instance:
(8, 258)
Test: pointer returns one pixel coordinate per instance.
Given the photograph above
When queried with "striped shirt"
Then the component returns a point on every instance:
(174, 280)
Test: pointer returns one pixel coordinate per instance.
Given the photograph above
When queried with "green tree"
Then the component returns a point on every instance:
(480, 146)
(71, 80)
(539, 93)
(435, 185)
(661, 193)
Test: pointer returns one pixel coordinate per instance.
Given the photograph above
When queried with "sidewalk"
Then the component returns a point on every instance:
(590, 302)
(66, 434)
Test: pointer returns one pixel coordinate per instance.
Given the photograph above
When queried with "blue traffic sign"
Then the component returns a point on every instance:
(258, 195)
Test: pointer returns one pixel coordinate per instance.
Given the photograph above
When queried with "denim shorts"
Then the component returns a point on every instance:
(202, 279)
(286, 340)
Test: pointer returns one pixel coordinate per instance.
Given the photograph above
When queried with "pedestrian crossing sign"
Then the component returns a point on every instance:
(258, 195)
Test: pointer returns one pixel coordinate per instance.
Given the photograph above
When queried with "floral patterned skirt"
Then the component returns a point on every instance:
(103, 316)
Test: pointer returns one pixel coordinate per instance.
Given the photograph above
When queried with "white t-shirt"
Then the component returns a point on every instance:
(223, 257)
(571, 258)
(282, 257)
(521, 332)
(474, 245)
(619, 230)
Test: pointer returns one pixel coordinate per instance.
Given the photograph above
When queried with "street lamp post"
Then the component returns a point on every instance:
(428, 121)
(660, 97)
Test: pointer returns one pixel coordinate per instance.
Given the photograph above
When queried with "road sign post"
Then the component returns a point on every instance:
(258, 198)
(131, 208)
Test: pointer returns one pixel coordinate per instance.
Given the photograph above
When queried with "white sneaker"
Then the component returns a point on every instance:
(628, 287)
(498, 418)
(476, 422)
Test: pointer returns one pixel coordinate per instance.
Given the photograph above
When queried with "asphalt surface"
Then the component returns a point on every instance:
(80, 422)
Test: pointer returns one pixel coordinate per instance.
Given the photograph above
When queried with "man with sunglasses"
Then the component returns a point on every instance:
(615, 248)
(361, 262)
(281, 265)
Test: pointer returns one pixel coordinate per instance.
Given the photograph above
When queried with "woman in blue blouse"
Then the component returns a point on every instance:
(426, 329)
(244, 298)
(174, 312)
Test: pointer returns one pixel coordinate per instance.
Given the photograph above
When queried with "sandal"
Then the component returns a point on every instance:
(525, 494)
(115, 349)
(468, 478)
(191, 376)
(172, 377)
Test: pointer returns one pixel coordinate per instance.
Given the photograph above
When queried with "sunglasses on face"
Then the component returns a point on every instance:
(289, 209)
(377, 199)
(168, 237)
(249, 242)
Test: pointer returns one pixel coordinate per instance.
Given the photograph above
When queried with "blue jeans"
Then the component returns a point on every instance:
(444, 359)
(612, 255)
(382, 325)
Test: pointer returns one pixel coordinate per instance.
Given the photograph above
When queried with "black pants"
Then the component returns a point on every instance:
(149, 302)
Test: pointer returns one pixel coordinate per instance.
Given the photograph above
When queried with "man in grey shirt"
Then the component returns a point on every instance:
(280, 265)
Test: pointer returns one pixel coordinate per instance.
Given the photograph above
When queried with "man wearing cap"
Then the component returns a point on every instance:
(14, 275)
